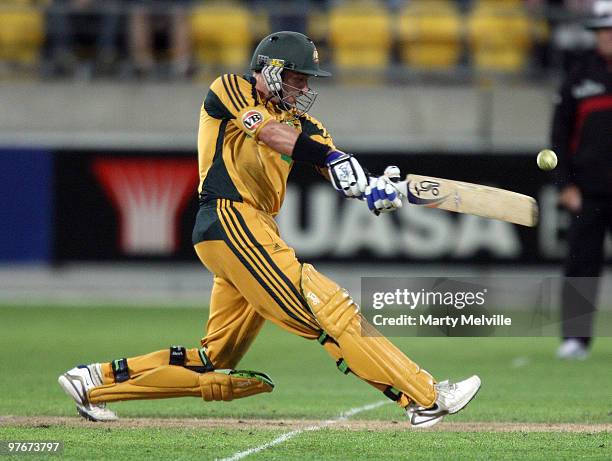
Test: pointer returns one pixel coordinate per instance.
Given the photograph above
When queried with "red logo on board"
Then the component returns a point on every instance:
(149, 195)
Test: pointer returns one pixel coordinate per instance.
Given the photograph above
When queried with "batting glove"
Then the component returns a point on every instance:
(381, 195)
(346, 174)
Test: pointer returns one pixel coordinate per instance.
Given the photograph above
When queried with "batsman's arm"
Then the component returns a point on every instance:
(285, 139)
(344, 171)
(279, 137)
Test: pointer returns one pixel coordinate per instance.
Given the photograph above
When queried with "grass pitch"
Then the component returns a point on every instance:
(531, 406)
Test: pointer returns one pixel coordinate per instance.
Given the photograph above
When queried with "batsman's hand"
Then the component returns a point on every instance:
(381, 195)
(571, 198)
(346, 174)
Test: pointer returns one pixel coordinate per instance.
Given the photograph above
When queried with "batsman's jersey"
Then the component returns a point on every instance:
(233, 164)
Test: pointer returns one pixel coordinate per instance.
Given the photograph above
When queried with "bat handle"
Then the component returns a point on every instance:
(401, 187)
(393, 173)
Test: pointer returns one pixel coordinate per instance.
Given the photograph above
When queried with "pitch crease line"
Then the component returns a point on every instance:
(289, 435)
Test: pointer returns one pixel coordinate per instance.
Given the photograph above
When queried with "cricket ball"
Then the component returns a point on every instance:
(547, 160)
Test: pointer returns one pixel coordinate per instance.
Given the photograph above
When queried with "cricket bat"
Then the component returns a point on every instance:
(468, 198)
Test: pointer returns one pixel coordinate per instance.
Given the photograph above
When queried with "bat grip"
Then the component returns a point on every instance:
(401, 187)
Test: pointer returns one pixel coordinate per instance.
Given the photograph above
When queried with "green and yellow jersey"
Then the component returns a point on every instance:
(233, 164)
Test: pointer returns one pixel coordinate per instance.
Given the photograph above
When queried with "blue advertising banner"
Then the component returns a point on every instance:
(26, 205)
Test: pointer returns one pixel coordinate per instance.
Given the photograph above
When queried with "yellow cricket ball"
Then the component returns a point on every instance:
(547, 160)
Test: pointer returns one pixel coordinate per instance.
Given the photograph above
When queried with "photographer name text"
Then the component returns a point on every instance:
(445, 321)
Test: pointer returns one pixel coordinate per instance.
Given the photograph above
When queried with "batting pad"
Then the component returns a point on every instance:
(169, 381)
(369, 355)
(332, 349)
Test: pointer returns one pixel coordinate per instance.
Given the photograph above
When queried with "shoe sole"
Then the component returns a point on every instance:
(90, 417)
(427, 424)
(470, 399)
(87, 416)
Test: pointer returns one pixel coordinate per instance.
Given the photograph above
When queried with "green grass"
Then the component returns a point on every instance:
(139, 444)
(522, 382)
(187, 444)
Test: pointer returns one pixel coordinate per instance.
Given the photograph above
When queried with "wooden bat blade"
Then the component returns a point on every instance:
(468, 198)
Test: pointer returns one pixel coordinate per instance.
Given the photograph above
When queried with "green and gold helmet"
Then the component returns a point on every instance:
(291, 51)
(296, 51)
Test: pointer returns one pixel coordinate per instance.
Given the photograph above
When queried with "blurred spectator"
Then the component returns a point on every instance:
(82, 36)
(570, 37)
(147, 19)
(290, 14)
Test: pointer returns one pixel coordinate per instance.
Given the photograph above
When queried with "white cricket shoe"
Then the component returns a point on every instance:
(77, 382)
(452, 398)
(572, 349)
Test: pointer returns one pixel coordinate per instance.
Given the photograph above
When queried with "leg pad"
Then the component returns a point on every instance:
(367, 353)
(169, 381)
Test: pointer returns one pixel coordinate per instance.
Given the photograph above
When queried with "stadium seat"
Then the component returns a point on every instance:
(497, 3)
(499, 37)
(22, 32)
(430, 35)
(360, 35)
(317, 26)
(223, 35)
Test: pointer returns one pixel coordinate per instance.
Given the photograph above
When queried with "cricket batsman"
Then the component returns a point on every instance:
(253, 130)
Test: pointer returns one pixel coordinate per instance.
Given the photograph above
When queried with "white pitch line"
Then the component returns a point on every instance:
(289, 435)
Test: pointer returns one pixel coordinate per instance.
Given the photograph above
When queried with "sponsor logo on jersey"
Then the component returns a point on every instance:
(587, 88)
(252, 119)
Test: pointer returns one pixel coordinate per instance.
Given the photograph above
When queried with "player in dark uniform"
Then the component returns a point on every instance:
(253, 129)
(582, 136)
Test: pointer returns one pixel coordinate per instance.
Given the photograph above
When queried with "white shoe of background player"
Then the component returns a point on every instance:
(77, 382)
(452, 397)
(572, 349)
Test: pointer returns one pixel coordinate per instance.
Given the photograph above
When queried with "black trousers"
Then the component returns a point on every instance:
(583, 267)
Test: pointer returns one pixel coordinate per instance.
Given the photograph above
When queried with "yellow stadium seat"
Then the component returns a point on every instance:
(430, 34)
(497, 3)
(360, 35)
(317, 26)
(499, 37)
(22, 32)
(222, 35)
